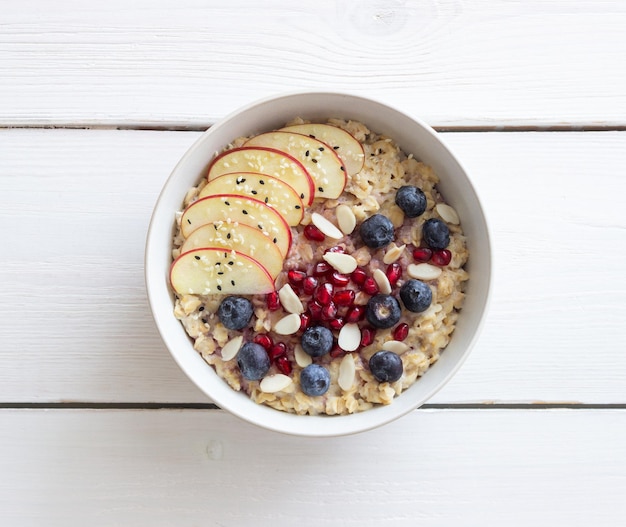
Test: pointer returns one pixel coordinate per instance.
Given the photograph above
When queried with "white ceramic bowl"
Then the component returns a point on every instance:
(413, 136)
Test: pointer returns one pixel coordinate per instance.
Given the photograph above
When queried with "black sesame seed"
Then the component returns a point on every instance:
(266, 199)
(335, 148)
(254, 192)
(228, 236)
(297, 207)
(215, 226)
(197, 257)
(343, 169)
(274, 240)
(204, 320)
(321, 148)
(244, 211)
(320, 189)
(227, 203)
(218, 263)
(312, 136)
(201, 308)
(231, 263)
(306, 153)
(220, 273)
(232, 282)
(314, 160)
(301, 196)
(219, 287)
(260, 227)
(261, 182)
(188, 221)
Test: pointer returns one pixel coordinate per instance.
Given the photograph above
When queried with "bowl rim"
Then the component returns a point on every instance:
(282, 422)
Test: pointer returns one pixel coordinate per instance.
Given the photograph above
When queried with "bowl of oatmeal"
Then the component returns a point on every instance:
(318, 264)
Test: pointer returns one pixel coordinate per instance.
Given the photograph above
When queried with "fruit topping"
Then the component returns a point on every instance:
(309, 284)
(441, 257)
(339, 279)
(358, 276)
(355, 314)
(367, 336)
(416, 296)
(329, 311)
(277, 350)
(376, 231)
(317, 341)
(386, 366)
(401, 332)
(411, 200)
(235, 312)
(322, 268)
(253, 361)
(264, 340)
(394, 273)
(324, 293)
(370, 286)
(436, 233)
(305, 321)
(383, 311)
(296, 277)
(284, 365)
(344, 297)
(422, 254)
(314, 380)
(311, 232)
(272, 300)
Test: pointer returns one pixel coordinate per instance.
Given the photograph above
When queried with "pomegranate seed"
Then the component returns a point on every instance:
(273, 302)
(370, 286)
(277, 350)
(344, 298)
(355, 314)
(315, 310)
(295, 277)
(394, 272)
(340, 280)
(305, 321)
(422, 254)
(358, 276)
(367, 336)
(322, 268)
(401, 332)
(309, 284)
(284, 365)
(311, 232)
(324, 293)
(335, 249)
(329, 311)
(264, 340)
(336, 351)
(441, 257)
(337, 323)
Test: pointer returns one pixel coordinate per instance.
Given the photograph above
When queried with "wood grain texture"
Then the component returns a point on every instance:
(74, 210)
(187, 63)
(435, 468)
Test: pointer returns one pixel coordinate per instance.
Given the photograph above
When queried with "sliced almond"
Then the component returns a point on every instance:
(303, 359)
(288, 325)
(447, 213)
(231, 348)
(344, 263)
(393, 253)
(290, 300)
(275, 383)
(347, 372)
(349, 337)
(326, 226)
(423, 271)
(345, 218)
(395, 346)
(382, 281)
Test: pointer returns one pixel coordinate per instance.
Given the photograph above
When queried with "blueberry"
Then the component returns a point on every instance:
(411, 200)
(314, 380)
(383, 311)
(317, 341)
(376, 231)
(386, 366)
(416, 296)
(253, 361)
(436, 234)
(235, 312)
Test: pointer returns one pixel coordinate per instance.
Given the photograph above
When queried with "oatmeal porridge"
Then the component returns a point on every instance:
(317, 268)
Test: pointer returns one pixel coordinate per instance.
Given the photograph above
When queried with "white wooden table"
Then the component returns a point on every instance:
(98, 100)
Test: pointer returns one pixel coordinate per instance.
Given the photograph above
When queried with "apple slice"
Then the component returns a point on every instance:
(242, 238)
(265, 161)
(231, 208)
(343, 143)
(326, 169)
(276, 193)
(213, 270)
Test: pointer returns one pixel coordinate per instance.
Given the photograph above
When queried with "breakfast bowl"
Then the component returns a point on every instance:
(402, 292)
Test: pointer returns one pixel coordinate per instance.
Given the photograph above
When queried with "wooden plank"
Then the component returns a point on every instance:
(436, 468)
(187, 63)
(74, 210)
